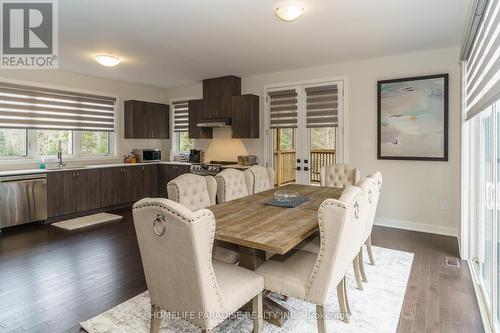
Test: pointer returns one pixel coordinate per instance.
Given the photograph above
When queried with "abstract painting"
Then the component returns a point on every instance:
(413, 118)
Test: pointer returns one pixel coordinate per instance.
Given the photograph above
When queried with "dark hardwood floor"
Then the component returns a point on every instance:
(51, 279)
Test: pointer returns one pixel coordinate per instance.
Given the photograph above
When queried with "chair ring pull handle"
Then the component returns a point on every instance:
(159, 225)
(370, 196)
(356, 210)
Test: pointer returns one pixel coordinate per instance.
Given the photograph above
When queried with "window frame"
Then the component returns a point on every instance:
(176, 138)
(32, 152)
(33, 156)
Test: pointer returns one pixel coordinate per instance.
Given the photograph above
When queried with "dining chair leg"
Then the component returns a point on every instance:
(362, 266)
(342, 304)
(155, 319)
(369, 249)
(357, 273)
(348, 308)
(257, 313)
(320, 318)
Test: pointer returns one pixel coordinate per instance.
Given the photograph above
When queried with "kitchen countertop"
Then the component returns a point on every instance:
(83, 167)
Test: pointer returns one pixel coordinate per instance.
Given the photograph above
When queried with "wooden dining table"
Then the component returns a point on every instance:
(259, 230)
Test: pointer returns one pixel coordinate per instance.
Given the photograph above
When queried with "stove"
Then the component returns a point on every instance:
(209, 169)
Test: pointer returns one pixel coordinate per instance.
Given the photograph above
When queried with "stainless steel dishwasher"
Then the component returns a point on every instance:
(23, 199)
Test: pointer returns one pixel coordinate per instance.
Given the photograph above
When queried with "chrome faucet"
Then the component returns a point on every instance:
(60, 154)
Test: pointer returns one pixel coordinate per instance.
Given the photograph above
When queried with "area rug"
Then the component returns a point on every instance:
(375, 309)
(87, 221)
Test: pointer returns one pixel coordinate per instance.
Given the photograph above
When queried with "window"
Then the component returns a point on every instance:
(94, 143)
(48, 142)
(181, 125)
(286, 138)
(185, 143)
(83, 123)
(323, 137)
(13, 142)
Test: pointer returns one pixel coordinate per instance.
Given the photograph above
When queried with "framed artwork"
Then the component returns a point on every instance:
(413, 118)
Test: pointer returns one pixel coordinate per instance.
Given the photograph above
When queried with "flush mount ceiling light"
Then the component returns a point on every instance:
(107, 60)
(289, 11)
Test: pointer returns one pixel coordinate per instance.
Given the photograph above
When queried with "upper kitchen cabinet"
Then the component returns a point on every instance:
(197, 111)
(146, 120)
(221, 86)
(245, 116)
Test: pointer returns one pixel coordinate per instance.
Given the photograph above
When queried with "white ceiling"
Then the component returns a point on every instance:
(168, 43)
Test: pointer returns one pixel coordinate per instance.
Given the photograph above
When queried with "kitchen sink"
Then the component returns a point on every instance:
(66, 168)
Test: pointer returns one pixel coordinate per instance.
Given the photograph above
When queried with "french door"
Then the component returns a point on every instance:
(305, 129)
(485, 208)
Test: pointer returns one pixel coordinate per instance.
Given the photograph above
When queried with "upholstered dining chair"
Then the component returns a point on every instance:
(197, 192)
(367, 185)
(259, 179)
(176, 250)
(311, 276)
(231, 185)
(339, 175)
(377, 180)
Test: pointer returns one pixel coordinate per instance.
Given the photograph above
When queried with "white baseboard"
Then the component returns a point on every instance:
(421, 227)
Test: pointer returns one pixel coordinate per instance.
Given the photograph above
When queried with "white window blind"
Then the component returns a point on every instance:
(482, 64)
(322, 106)
(29, 107)
(181, 116)
(283, 108)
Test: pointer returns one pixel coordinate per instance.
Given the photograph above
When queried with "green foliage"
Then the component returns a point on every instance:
(185, 143)
(12, 142)
(94, 142)
(323, 138)
(48, 142)
(287, 139)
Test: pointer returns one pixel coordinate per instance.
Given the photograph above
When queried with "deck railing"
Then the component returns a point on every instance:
(285, 164)
(319, 158)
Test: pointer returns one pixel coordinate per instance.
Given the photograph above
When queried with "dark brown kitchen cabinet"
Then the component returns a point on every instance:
(197, 111)
(217, 108)
(221, 86)
(116, 186)
(146, 120)
(88, 189)
(73, 191)
(144, 181)
(245, 116)
(167, 172)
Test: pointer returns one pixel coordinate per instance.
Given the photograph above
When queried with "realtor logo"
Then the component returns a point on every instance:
(29, 34)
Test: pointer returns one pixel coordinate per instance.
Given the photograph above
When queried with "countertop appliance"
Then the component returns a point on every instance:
(205, 169)
(196, 156)
(147, 155)
(23, 199)
(210, 169)
(248, 160)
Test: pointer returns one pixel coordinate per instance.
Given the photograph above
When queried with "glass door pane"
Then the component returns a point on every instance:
(284, 155)
(488, 205)
(323, 144)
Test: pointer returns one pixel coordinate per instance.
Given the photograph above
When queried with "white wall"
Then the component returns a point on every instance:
(415, 192)
(78, 82)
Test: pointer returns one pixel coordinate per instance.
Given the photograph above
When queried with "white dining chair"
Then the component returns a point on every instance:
(377, 180)
(197, 192)
(339, 175)
(231, 185)
(311, 276)
(367, 186)
(176, 246)
(259, 179)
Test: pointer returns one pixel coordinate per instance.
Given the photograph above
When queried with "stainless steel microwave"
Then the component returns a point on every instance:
(147, 155)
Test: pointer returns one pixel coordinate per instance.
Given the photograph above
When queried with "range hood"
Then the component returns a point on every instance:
(215, 122)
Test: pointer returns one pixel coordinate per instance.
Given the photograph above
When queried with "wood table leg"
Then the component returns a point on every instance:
(274, 312)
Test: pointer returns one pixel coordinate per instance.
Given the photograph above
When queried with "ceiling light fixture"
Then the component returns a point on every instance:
(107, 60)
(289, 11)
